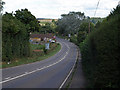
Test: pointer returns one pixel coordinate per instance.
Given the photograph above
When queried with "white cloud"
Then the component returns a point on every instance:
(54, 8)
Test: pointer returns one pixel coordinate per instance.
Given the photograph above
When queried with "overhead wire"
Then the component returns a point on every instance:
(96, 7)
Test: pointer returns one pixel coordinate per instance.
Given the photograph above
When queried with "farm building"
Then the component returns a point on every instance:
(38, 38)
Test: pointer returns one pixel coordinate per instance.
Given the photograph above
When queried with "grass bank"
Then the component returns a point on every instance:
(36, 56)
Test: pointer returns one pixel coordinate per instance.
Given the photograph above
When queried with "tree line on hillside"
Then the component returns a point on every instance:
(99, 47)
(16, 33)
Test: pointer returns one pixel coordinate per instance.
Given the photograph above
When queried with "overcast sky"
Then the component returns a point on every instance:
(54, 8)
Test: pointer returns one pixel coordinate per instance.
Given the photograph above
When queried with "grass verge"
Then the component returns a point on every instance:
(32, 59)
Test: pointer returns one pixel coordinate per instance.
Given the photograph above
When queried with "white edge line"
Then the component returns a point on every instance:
(38, 69)
(68, 74)
(35, 62)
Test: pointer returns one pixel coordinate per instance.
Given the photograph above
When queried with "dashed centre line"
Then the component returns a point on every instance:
(38, 69)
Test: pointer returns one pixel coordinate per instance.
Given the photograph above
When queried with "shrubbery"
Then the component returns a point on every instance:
(84, 30)
(14, 38)
(16, 33)
(74, 39)
(100, 53)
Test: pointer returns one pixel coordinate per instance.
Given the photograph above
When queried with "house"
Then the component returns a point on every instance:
(38, 38)
(46, 20)
(42, 21)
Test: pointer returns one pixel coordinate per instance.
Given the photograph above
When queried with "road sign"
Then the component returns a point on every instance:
(69, 35)
(47, 46)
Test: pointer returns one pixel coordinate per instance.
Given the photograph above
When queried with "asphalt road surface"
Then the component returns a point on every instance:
(49, 73)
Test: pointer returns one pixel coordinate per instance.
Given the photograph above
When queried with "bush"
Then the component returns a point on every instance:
(100, 53)
(81, 36)
(45, 50)
(74, 39)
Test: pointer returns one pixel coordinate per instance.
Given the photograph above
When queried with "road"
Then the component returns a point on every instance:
(49, 73)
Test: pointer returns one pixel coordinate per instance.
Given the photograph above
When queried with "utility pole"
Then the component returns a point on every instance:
(96, 8)
(89, 27)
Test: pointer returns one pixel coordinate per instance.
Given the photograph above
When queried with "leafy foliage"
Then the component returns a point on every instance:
(16, 30)
(81, 36)
(74, 39)
(46, 29)
(28, 19)
(1, 5)
(100, 53)
(84, 30)
(69, 23)
(15, 42)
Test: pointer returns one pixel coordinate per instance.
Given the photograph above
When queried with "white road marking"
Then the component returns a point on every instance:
(37, 69)
(33, 63)
(27, 73)
(8, 78)
(68, 74)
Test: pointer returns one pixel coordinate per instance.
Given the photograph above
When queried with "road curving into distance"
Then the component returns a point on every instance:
(48, 73)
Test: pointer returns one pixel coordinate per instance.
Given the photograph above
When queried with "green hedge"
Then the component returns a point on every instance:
(74, 39)
(15, 38)
(100, 53)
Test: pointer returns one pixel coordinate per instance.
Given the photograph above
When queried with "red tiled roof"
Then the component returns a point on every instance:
(48, 35)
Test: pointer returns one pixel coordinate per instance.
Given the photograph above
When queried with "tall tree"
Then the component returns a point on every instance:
(28, 19)
(84, 30)
(69, 23)
(15, 43)
(1, 8)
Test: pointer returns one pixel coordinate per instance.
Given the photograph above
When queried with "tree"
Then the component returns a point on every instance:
(1, 8)
(1, 5)
(115, 12)
(97, 24)
(12, 26)
(81, 36)
(69, 23)
(15, 39)
(84, 30)
(100, 53)
(28, 19)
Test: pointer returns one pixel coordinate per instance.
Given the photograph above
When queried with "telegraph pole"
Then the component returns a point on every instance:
(94, 15)
(89, 27)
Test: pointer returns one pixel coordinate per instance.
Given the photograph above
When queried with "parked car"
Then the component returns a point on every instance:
(53, 41)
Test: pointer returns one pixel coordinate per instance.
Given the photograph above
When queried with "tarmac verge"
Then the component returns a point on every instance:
(77, 78)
